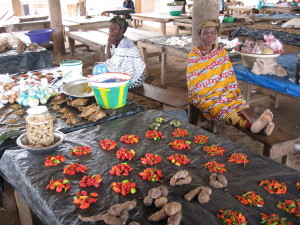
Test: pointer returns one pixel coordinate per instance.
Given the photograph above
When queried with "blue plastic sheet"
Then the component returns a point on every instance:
(279, 84)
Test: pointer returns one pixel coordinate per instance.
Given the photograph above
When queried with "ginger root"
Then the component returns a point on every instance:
(180, 178)
(171, 210)
(157, 196)
(217, 180)
(116, 215)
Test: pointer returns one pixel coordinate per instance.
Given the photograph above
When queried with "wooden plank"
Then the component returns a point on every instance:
(24, 211)
(173, 98)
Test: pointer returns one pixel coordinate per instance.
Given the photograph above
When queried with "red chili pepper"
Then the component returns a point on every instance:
(238, 158)
(274, 219)
(290, 206)
(213, 166)
(251, 198)
(298, 185)
(122, 169)
(81, 150)
(231, 217)
(107, 144)
(213, 150)
(83, 199)
(124, 154)
(273, 186)
(88, 181)
(125, 187)
(74, 168)
(154, 134)
(150, 159)
(180, 144)
(151, 174)
(59, 185)
(54, 160)
(178, 159)
(200, 139)
(129, 139)
(179, 132)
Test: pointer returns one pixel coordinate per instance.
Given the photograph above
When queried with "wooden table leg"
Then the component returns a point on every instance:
(24, 211)
(145, 58)
(163, 67)
(163, 28)
(102, 53)
(71, 45)
(134, 23)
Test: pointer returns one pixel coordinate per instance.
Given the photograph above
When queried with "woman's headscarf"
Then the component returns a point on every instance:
(121, 21)
(209, 23)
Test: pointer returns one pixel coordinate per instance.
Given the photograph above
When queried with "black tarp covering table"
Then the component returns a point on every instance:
(14, 62)
(26, 173)
(285, 37)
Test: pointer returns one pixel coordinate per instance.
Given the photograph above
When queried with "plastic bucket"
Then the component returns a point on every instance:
(110, 89)
(40, 36)
(175, 10)
(71, 70)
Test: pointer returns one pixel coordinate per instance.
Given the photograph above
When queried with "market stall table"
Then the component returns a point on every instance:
(161, 45)
(118, 11)
(285, 85)
(14, 62)
(58, 208)
(97, 39)
(162, 18)
(288, 10)
(85, 23)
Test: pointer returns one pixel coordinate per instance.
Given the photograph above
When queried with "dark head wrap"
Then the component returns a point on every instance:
(121, 21)
(210, 23)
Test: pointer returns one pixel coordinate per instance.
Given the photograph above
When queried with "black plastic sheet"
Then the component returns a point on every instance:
(7, 114)
(27, 174)
(13, 62)
(284, 37)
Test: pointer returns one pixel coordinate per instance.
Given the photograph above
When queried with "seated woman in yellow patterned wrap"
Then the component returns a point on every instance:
(213, 87)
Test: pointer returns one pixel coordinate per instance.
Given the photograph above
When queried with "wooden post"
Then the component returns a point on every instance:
(56, 24)
(138, 6)
(17, 7)
(203, 10)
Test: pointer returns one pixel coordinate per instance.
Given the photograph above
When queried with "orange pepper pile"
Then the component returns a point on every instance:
(121, 169)
(290, 206)
(239, 158)
(231, 217)
(200, 139)
(298, 185)
(151, 174)
(107, 144)
(154, 134)
(273, 219)
(129, 139)
(213, 150)
(178, 159)
(81, 150)
(59, 185)
(273, 186)
(54, 160)
(251, 198)
(213, 166)
(125, 154)
(84, 199)
(179, 132)
(180, 144)
(125, 187)
(74, 168)
(150, 159)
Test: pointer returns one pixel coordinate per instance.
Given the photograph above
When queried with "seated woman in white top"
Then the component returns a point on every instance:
(122, 55)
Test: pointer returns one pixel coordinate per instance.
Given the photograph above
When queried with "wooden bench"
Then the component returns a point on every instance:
(171, 97)
(279, 144)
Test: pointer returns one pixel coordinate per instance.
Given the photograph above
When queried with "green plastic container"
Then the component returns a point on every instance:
(175, 13)
(111, 98)
(228, 19)
(110, 89)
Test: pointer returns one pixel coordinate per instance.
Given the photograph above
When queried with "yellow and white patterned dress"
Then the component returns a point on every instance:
(212, 84)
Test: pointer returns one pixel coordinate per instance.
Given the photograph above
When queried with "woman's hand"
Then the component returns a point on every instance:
(111, 41)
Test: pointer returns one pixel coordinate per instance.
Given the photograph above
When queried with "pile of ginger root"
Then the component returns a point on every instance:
(116, 215)
(172, 211)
